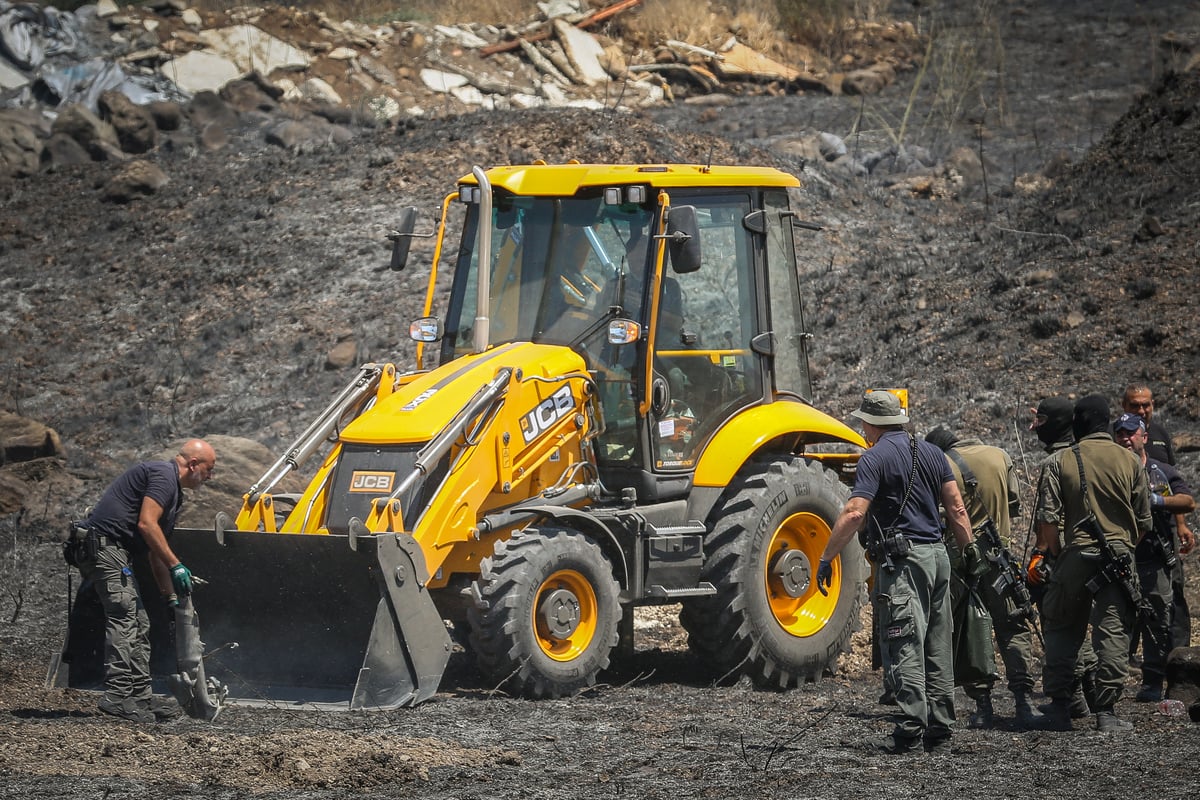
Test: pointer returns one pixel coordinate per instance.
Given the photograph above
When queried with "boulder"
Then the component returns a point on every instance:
(207, 108)
(24, 439)
(20, 148)
(95, 135)
(134, 125)
(135, 179)
(61, 150)
(1183, 675)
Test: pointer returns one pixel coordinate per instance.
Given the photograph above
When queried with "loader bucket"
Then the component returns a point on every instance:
(311, 619)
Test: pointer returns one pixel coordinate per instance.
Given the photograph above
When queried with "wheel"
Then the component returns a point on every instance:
(548, 613)
(767, 619)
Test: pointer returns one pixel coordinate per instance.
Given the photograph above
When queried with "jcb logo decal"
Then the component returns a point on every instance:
(373, 482)
(547, 412)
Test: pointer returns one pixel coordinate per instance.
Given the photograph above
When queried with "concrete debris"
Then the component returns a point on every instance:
(303, 62)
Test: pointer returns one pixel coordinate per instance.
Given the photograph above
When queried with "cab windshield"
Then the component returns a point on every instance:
(561, 268)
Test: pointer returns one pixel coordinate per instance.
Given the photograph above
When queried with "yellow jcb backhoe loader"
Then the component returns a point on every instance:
(612, 412)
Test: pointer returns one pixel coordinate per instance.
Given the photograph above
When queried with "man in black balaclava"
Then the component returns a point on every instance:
(1115, 509)
(1052, 422)
(1052, 425)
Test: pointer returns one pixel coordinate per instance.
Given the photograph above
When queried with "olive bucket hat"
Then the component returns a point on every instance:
(880, 408)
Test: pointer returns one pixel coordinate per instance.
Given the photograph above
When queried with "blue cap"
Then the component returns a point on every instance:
(1129, 422)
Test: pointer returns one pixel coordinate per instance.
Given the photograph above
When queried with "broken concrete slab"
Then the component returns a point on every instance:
(200, 71)
(441, 81)
(251, 49)
(583, 51)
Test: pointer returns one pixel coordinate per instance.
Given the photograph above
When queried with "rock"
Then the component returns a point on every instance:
(1183, 674)
(168, 116)
(12, 492)
(96, 136)
(316, 90)
(135, 179)
(871, 80)
(583, 52)
(247, 95)
(830, 146)
(61, 150)
(343, 355)
(20, 148)
(134, 125)
(252, 50)
(300, 136)
(24, 439)
(200, 71)
(207, 108)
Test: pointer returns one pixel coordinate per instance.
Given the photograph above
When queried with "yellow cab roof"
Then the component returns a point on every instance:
(567, 179)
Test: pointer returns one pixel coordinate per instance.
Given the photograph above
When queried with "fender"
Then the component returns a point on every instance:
(747, 433)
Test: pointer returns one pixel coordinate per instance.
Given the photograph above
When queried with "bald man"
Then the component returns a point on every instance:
(136, 515)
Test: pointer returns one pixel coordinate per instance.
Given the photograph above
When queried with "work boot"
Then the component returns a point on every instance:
(893, 745)
(887, 698)
(1149, 693)
(938, 747)
(1027, 715)
(1108, 722)
(164, 709)
(1079, 704)
(125, 708)
(1057, 715)
(1088, 686)
(984, 715)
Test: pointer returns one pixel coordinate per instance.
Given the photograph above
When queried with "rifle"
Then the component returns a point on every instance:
(1010, 582)
(1114, 567)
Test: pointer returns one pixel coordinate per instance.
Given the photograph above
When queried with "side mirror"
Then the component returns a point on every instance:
(425, 329)
(401, 238)
(683, 239)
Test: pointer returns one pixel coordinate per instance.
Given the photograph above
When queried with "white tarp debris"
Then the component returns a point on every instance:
(29, 33)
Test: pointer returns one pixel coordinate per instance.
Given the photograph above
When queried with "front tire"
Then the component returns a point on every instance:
(768, 620)
(549, 613)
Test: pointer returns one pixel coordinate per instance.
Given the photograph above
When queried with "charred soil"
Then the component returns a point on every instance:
(1065, 264)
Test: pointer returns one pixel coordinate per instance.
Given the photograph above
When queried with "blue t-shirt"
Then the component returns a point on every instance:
(116, 515)
(882, 476)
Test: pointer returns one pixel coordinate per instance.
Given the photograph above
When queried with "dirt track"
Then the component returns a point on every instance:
(207, 292)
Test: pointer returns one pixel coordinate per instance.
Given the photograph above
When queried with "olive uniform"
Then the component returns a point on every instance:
(1119, 499)
(996, 497)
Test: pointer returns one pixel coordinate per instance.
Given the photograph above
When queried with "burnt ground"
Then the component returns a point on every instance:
(1067, 265)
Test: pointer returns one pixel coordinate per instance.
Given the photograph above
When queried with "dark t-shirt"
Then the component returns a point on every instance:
(1158, 443)
(1162, 476)
(116, 515)
(882, 476)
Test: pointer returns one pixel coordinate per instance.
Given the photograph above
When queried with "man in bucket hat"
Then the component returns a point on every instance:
(897, 487)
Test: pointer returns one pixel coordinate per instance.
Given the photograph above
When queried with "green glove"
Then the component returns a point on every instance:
(974, 564)
(181, 579)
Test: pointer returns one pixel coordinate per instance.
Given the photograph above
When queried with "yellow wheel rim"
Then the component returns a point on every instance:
(564, 617)
(795, 550)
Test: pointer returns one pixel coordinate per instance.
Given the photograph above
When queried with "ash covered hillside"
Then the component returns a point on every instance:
(1083, 281)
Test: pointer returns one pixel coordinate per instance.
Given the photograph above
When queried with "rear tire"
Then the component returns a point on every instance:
(768, 620)
(549, 615)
